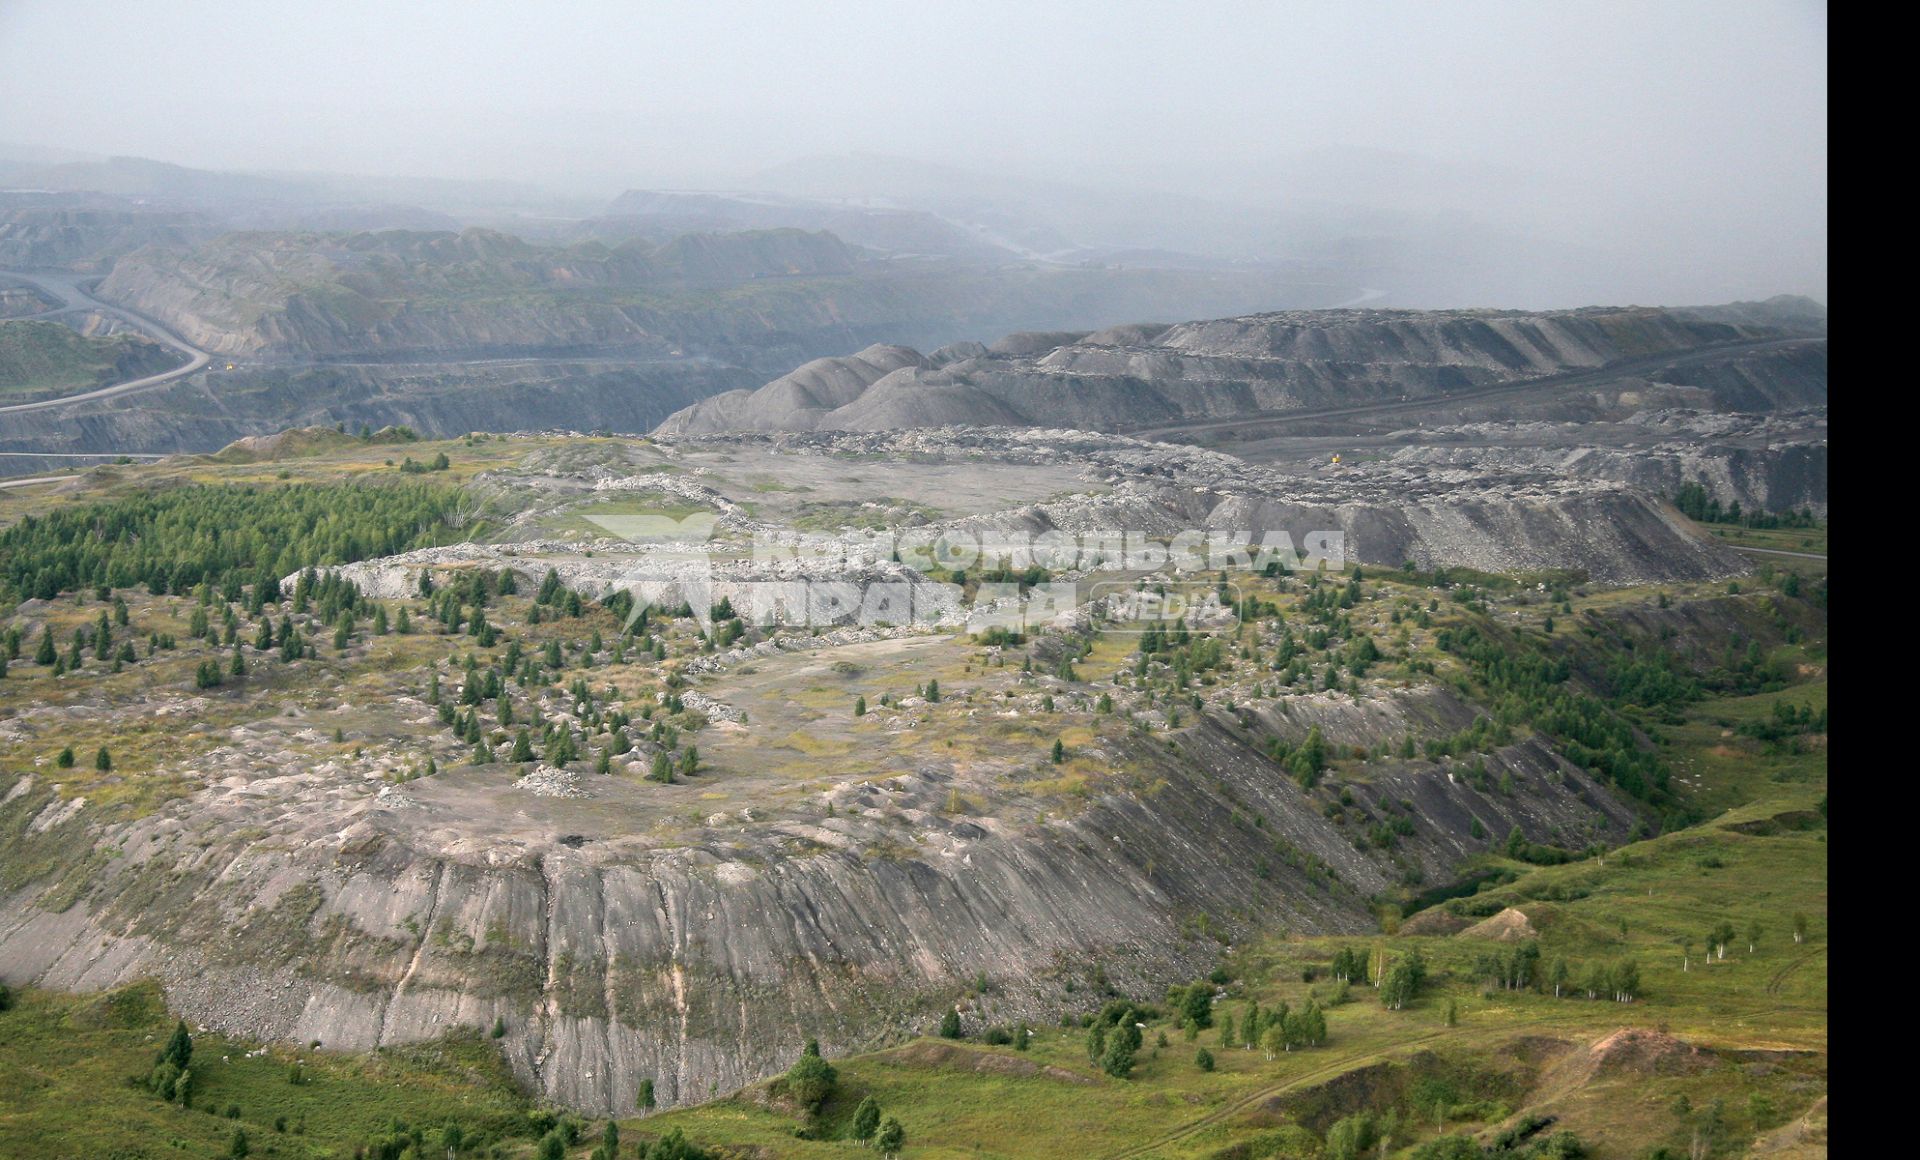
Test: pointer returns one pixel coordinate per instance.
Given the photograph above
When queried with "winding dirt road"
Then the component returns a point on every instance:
(67, 289)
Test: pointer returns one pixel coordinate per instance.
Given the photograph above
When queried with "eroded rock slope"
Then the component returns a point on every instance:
(1131, 377)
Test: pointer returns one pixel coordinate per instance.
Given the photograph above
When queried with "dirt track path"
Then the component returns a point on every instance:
(1780, 976)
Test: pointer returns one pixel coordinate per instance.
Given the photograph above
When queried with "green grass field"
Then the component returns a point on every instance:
(72, 1067)
(1809, 540)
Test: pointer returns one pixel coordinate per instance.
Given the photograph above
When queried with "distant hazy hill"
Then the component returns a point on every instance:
(303, 293)
(1792, 311)
(1427, 232)
(81, 213)
(141, 177)
(885, 229)
(768, 298)
(39, 233)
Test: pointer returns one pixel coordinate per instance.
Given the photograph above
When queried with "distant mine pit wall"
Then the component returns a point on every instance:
(1511, 341)
(1133, 378)
(1781, 478)
(1614, 536)
(1785, 378)
(1485, 519)
(207, 411)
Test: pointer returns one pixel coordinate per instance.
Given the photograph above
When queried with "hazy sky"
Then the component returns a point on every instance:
(1687, 117)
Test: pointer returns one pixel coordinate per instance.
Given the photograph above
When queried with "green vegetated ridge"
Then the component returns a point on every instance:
(1666, 996)
(40, 358)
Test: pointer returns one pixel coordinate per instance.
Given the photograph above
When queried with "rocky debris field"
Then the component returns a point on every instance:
(1494, 516)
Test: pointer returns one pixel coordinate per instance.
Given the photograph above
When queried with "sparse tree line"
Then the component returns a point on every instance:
(1786, 728)
(1526, 1139)
(1530, 689)
(1723, 935)
(1520, 969)
(555, 1135)
(412, 466)
(1744, 668)
(1275, 1030)
(811, 1082)
(1305, 761)
(1528, 686)
(1401, 980)
(1697, 503)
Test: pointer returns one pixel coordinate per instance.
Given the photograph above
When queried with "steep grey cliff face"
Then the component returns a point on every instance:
(308, 903)
(1513, 342)
(1791, 311)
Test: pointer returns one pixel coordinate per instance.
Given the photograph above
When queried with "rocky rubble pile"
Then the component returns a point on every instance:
(548, 781)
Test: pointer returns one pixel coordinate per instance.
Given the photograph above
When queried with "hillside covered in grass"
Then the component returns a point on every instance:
(39, 359)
